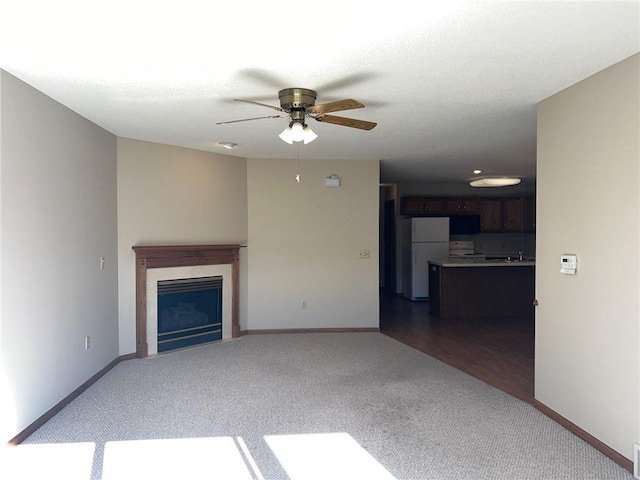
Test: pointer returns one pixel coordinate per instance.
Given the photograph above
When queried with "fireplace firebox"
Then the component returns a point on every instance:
(189, 312)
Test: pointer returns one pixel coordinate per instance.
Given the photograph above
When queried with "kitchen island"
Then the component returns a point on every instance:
(476, 288)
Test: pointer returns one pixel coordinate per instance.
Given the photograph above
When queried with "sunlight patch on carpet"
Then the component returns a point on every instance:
(325, 455)
(53, 461)
(170, 459)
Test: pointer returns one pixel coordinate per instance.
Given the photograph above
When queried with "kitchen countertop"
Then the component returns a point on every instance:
(478, 262)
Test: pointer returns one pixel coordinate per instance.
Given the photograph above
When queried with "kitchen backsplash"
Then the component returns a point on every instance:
(502, 243)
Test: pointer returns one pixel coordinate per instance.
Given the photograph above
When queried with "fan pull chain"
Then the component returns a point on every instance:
(298, 162)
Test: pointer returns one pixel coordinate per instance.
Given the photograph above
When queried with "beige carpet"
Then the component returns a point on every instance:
(303, 406)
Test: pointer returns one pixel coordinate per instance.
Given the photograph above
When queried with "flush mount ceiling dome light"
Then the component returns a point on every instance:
(495, 182)
(228, 145)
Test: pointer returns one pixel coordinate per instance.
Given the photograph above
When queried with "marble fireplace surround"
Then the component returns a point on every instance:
(166, 256)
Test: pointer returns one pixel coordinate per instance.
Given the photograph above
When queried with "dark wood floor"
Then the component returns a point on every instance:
(498, 352)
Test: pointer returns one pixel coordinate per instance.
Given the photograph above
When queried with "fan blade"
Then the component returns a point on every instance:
(347, 122)
(348, 104)
(265, 77)
(261, 104)
(254, 118)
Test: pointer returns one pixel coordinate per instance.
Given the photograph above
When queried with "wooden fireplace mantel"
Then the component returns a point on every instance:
(162, 256)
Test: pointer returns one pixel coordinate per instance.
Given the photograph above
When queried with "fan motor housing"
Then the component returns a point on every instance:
(297, 98)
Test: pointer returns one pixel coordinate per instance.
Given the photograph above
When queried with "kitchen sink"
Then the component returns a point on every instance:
(510, 259)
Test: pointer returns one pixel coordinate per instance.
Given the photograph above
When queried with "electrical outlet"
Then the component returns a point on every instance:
(303, 304)
(87, 342)
(101, 263)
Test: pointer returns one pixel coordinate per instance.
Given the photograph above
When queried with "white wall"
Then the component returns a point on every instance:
(172, 195)
(304, 240)
(58, 217)
(588, 325)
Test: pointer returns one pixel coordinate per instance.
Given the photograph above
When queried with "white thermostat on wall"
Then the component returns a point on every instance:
(569, 263)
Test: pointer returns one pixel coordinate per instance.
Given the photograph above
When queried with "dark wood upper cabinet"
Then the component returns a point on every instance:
(514, 214)
(462, 206)
(491, 215)
(410, 206)
(433, 205)
(497, 214)
(421, 206)
(530, 214)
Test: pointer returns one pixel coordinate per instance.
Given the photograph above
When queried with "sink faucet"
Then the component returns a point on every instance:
(520, 255)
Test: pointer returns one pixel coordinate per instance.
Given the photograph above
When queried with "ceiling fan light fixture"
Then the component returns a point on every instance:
(495, 182)
(297, 132)
(309, 135)
(296, 103)
(287, 135)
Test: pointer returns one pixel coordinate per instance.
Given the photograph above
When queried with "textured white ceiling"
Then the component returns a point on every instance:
(452, 85)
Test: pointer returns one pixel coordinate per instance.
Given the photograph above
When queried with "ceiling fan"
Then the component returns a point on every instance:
(299, 103)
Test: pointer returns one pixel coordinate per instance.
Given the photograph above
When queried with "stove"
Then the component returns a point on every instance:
(461, 249)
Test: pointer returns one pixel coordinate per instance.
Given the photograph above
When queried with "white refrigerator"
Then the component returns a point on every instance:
(423, 239)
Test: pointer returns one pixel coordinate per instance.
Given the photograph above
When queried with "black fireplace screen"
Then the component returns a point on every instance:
(189, 312)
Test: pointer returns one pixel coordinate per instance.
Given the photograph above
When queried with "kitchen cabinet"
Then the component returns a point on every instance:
(484, 291)
(461, 206)
(421, 206)
(514, 214)
(497, 214)
(434, 289)
(491, 215)
(530, 214)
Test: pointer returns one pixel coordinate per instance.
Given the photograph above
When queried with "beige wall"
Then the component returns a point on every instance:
(588, 325)
(173, 195)
(303, 244)
(72, 193)
(58, 218)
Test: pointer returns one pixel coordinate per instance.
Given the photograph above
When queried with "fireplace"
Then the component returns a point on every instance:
(189, 312)
(162, 267)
